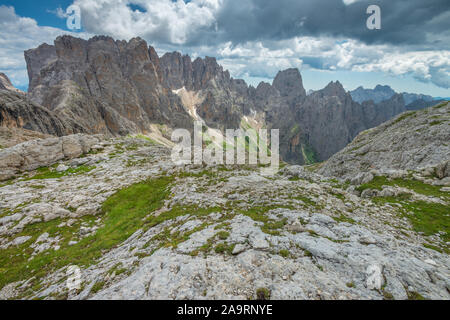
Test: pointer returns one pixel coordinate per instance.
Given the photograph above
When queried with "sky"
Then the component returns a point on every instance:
(327, 40)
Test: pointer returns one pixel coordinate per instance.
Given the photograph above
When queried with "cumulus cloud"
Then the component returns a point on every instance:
(257, 38)
(425, 66)
(263, 59)
(175, 22)
(209, 22)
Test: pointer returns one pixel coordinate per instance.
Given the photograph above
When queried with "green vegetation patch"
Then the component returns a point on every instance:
(97, 287)
(412, 295)
(411, 184)
(263, 294)
(404, 116)
(284, 253)
(344, 218)
(270, 226)
(426, 217)
(51, 173)
(122, 215)
(224, 248)
(309, 154)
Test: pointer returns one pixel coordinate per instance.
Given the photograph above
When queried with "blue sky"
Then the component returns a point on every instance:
(40, 10)
(257, 49)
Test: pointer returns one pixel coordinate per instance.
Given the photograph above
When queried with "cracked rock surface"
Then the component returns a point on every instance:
(214, 232)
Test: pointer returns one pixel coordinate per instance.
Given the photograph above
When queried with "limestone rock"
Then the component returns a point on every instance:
(16, 111)
(412, 141)
(375, 278)
(42, 153)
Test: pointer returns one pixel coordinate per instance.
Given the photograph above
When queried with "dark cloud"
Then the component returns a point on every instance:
(409, 22)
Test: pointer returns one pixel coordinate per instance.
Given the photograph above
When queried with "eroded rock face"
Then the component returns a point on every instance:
(289, 83)
(412, 141)
(9, 137)
(16, 111)
(104, 85)
(316, 126)
(312, 128)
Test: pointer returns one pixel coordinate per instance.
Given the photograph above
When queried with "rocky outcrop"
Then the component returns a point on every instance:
(223, 100)
(412, 97)
(9, 137)
(16, 111)
(312, 128)
(42, 152)
(411, 141)
(180, 71)
(5, 84)
(290, 85)
(316, 126)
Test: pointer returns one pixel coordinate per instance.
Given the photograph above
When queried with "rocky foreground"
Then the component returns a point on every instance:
(139, 227)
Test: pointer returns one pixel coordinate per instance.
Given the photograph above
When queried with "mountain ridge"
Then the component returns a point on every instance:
(114, 87)
(384, 92)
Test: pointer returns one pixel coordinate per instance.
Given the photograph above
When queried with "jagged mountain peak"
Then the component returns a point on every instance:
(289, 82)
(380, 87)
(333, 89)
(122, 87)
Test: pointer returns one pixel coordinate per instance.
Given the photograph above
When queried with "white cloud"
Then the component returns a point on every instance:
(348, 2)
(163, 19)
(20, 34)
(256, 59)
(168, 24)
(426, 66)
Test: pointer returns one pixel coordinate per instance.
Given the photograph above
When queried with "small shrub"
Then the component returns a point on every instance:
(262, 294)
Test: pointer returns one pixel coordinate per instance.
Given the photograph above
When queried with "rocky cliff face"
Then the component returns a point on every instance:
(16, 111)
(378, 94)
(318, 125)
(312, 128)
(106, 86)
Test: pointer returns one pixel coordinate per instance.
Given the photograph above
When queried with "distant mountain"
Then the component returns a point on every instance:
(382, 93)
(411, 97)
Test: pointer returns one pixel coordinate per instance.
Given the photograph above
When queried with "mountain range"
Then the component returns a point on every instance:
(381, 93)
(123, 87)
